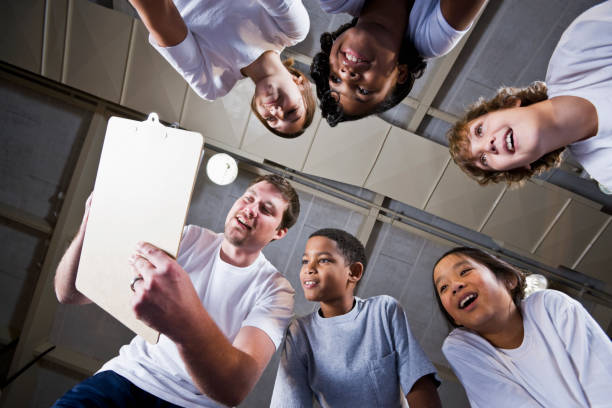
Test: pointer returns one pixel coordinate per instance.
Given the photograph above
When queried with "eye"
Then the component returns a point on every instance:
(478, 130)
(483, 159)
(363, 91)
(304, 261)
(334, 79)
(266, 210)
(464, 271)
(324, 260)
(442, 288)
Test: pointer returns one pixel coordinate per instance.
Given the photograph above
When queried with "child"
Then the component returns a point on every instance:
(351, 352)
(521, 132)
(544, 351)
(214, 44)
(369, 65)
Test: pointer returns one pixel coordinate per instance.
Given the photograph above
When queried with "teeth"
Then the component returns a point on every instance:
(308, 283)
(510, 141)
(464, 301)
(353, 58)
(242, 221)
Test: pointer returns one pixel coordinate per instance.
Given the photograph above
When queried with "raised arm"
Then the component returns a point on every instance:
(163, 21)
(65, 275)
(167, 301)
(460, 13)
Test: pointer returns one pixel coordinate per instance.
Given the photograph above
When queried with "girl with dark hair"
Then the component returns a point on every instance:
(214, 44)
(370, 65)
(544, 351)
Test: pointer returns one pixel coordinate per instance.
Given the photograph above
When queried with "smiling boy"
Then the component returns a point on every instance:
(351, 352)
(521, 132)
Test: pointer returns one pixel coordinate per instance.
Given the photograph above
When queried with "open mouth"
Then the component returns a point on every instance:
(510, 140)
(309, 284)
(468, 300)
(352, 58)
(243, 222)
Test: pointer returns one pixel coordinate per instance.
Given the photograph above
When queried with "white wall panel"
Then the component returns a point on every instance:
(524, 215)
(56, 14)
(21, 33)
(289, 152)
(597, 262)
(408, 168)
(571, 234)
(97, 43)
(462, 200)
(348, 151)
(151, 84)
(223, 120)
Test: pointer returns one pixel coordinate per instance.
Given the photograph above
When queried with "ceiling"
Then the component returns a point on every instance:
(560, 219)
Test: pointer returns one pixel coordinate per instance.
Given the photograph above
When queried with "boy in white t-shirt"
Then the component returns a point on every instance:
(222, 309)
(521, 132)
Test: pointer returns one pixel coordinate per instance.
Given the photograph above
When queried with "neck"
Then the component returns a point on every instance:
(568, 119)
(268, 63)
(507, 331)
(383, 17)
(337, 307)
(237, 256)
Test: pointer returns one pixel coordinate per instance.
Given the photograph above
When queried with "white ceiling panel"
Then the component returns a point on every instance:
(21, 33)
(462, 200)
(408, 168)
(348, 151)
(597, 262)
(573, 231)
(223, 120)
(97, 43)
(287, 152)
(524, 215)
(56, 15)
(151, 84)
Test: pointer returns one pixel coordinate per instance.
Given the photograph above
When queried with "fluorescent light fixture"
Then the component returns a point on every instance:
(222, 169)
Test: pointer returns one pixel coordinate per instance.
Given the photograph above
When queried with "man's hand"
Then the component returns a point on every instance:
(165, 299)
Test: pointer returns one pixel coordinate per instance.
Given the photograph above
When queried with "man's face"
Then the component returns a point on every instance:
(254, 219)
(363, 70)
(506, 139)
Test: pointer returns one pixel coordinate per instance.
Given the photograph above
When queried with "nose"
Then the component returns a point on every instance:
(277, 111)
(308, 268)
(457, 286)
(349, 74)
(250, 211)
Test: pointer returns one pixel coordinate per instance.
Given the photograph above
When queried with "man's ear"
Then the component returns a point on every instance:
(299, 80)
(355, 272)
(511, 282)
(402, 74)
(280, 234)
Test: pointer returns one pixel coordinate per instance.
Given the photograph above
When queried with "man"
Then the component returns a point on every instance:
(521, 132)
(221, 307)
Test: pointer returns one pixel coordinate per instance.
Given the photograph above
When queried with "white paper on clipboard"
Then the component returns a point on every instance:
(143, 187)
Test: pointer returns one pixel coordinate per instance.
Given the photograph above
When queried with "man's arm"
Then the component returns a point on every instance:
(66, 272)
(424, 393)
(167, 301)
(460, 13)
(163, 21)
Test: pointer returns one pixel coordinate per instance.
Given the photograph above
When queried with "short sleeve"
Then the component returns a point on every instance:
(187, 59)
(290, 16)
(291, 387)
(429, 30)
(273, 309)
(587, 345)
(484, 384)
(412, 363)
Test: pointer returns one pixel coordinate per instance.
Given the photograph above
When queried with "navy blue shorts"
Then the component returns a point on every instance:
(109, 389)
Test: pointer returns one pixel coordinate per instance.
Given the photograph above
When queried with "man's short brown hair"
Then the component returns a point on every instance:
(459, 143)
(283, 186)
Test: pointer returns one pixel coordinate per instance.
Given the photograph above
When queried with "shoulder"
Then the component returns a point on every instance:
(461, 341)
(352, 7)
(192, 234)
(550, 300)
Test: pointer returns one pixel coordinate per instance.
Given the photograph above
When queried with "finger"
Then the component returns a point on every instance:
(141, 266)
(134, 283)
(154, 255)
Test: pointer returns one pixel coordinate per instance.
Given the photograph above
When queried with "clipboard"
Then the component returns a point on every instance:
(143, 187)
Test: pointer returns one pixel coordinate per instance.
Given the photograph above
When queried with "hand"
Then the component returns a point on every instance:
(165, 299)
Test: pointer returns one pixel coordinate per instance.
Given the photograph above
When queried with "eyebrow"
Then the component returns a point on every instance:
(320, 253)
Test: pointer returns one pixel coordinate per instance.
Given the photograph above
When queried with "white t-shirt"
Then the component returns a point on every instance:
(256, 295)
(581, 65)
(225, 36)
(565, 359)
(427, 27)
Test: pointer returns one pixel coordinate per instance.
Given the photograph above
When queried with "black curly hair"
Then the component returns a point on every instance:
(329, 100)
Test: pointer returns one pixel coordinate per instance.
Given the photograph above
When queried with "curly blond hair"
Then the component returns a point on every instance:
(459, 143)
